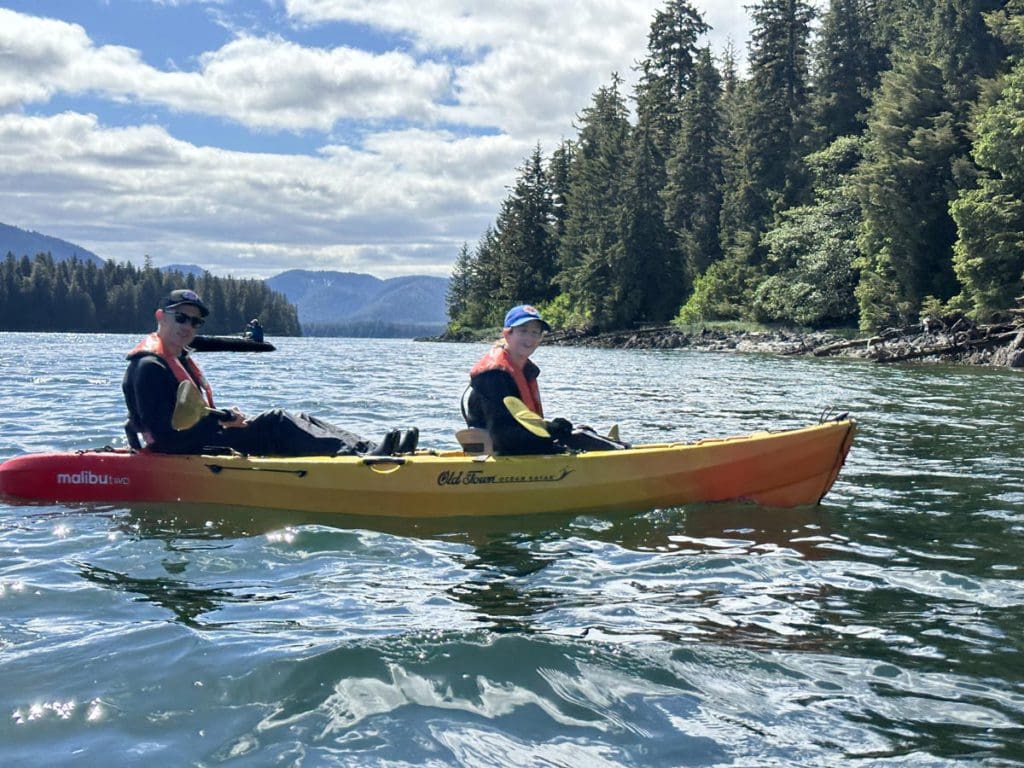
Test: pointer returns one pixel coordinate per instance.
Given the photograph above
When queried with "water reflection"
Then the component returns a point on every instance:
(503, 562)
(186, 601)
(696, 528)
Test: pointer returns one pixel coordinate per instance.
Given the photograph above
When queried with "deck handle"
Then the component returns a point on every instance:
(372, 460)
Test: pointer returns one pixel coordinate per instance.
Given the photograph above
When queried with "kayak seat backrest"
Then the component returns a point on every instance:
(131, 434)
(475, 441)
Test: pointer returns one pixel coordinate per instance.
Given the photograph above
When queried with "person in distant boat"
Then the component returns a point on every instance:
(506, 370)
(161, 361)
(254, 330)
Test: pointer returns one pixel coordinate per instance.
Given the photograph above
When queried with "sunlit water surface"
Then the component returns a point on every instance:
(882, 628)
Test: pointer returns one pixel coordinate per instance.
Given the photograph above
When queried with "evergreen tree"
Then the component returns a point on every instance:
(667, 70)
(896, 27)
(123, 309)
(967, 54)
(989, 253)
(812, 249)
(777, 126)
(763, 172)
(7, 285)
(42, 295)
(36, 292)
(964, 49)
(526, 256)
(648, 261)
(693, 189)
(646, 274)
(558, 179)
(711, 187)
(733, 173)
(79, 303)
(595, 197)
(151, 287)
(458, 296)
(905, 186)
(847, 71)
(485, 283)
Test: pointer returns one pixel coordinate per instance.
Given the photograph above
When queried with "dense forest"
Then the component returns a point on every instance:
(43, 295)
(866, 170)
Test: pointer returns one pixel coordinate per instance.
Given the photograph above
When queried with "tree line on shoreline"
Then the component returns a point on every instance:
(865, 172)
(40, 294)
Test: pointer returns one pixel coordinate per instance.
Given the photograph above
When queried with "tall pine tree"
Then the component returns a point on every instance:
(905, 184)
(693, 188)
(989, 253)
(525, 246)
(593, 228)
(847, 70)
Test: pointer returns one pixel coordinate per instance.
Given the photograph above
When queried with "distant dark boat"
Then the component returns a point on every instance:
(230, 344)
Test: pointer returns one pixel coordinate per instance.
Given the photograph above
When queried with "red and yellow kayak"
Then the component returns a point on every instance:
(778, 469)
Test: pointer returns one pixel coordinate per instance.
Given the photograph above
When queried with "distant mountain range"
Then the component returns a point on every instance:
(21, 242)
(354, 301)
(185, 269)
(328, 303)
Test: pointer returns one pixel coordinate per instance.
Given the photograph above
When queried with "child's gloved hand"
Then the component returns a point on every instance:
(560, 428)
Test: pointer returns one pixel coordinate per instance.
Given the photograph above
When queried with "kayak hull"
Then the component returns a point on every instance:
(777, 469)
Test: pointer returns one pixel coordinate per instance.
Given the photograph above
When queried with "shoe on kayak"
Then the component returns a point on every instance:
(387, 445)
(410, 439)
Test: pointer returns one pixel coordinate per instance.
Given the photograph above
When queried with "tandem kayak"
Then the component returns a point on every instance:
(776, 469)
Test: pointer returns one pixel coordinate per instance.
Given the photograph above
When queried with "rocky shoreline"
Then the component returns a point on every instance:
(954, 339)
(960, 342)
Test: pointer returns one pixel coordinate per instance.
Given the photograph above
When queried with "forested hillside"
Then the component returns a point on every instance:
(865, 170)
(42, 295)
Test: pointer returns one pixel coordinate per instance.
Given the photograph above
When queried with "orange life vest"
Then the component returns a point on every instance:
(153, 345)
(498, 360)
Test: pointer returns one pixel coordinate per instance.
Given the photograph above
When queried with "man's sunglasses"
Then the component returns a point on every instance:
(182, 318)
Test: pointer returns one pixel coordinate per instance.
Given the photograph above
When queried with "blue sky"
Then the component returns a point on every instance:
(253, 137)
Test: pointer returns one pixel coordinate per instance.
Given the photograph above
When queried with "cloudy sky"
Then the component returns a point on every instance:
(254, 136)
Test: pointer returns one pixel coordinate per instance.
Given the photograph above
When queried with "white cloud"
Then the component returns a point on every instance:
(411, 195)
(258, 82)
(390, 201)
(527, 67)
(276, 84)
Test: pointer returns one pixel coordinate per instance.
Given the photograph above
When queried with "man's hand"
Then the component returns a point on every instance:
(238, 419)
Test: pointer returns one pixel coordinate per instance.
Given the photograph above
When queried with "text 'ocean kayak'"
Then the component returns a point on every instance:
(778, 469)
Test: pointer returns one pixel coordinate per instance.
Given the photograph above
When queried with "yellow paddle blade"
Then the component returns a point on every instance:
(526, 418)
(189, 407)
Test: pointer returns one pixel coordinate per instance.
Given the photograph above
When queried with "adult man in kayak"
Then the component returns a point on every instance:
(254, 330)
(161, 361)
(507, 370)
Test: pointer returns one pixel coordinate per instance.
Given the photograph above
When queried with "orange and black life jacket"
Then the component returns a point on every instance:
(184, 368)
(526, 379)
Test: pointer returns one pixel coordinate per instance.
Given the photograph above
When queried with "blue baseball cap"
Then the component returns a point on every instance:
(524, 313)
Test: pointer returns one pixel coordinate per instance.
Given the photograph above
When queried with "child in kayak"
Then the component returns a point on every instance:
(161, 361)
(506, 370)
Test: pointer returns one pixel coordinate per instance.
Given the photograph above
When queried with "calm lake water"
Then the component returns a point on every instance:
(884, 627)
